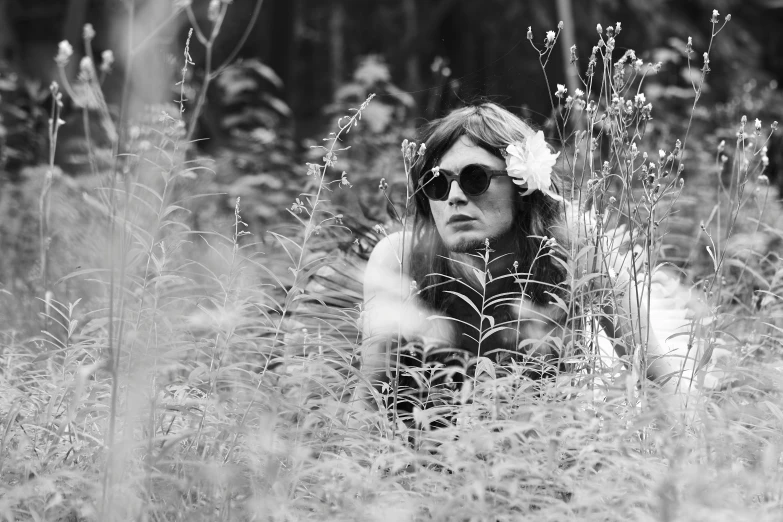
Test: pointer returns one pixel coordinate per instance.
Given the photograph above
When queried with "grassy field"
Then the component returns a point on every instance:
(161, 361)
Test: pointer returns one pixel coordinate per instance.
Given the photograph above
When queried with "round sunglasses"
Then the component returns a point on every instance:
(473, 179)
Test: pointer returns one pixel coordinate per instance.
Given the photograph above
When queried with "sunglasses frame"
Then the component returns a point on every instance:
(451, 176)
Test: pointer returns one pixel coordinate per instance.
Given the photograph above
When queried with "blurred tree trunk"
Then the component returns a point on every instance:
(337, 44)
(565, 11)
(9, 43)
(412, 63)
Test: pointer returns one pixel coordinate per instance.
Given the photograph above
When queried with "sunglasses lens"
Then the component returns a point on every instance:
(434, 187)
(474, 180)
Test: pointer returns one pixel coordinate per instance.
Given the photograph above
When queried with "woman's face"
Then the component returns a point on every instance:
(465, 222)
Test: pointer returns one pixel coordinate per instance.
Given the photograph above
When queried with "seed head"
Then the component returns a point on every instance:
(86, 69)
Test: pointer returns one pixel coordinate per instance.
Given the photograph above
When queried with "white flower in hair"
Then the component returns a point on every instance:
(530, 164)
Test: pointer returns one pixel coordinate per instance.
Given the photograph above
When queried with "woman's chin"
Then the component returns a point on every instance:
(465, 243)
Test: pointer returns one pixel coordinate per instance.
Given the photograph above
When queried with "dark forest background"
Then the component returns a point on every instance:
(297, 64)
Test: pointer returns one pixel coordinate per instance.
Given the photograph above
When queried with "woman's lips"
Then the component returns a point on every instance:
(459, 219)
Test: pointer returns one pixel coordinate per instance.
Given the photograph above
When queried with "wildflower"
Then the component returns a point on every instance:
(573, 54)
(436, 171)
(715, 15)
(706, 67)
(550, 38)
(774, 126)
(379, 229)
(382, 186)
(313, 169)
(330, 159)
(591, 107)
(516, 265)
(758, 125)
(578, 92)
(639, 99)
(88, 32)
(610, 44)
(637, 65)
(297, 206)
(646, 110)
(561, 90)
(728, 18)
(617, 28)
(422, 150)
(530, 165)
(64, 53)
(560, 25)
(107, 60)
(661, 154)
(344, 180)
(568, 101)
(530, 33)
(689, 46)
(634, 150)
(599, 29)
(551, 243)
(721, 146)
(339, 219)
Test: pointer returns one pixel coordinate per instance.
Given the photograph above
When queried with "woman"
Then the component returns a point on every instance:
(486, 200)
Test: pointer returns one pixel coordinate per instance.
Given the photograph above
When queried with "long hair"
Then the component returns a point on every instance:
(492, 128)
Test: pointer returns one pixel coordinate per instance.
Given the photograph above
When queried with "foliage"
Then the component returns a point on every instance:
(194, 374)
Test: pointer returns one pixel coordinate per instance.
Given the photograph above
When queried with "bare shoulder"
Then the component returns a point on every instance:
(389, 252)
(382, 275)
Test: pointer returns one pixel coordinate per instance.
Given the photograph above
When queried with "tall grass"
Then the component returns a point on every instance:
(209, 380)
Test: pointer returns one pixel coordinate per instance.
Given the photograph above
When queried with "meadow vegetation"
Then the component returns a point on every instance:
(160, 360)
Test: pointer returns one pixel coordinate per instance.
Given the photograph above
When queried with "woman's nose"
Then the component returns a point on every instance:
(456, 196)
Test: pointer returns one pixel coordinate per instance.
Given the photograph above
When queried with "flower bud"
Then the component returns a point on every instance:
(64, 53)
(530, 33)
(599, 29)
(88, 32)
